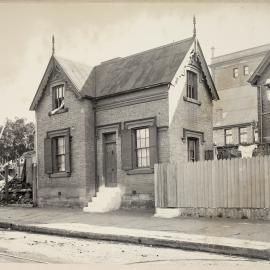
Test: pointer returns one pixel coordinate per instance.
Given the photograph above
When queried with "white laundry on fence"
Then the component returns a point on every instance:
(246, 151)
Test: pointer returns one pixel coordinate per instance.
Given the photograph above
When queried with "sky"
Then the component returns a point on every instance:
(94, 32)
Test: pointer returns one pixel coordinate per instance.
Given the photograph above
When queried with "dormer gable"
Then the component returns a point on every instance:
(60, 71)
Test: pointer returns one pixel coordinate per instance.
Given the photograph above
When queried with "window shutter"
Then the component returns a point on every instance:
(126, 149)
(153, 146)
(68, 153)
(48, 155)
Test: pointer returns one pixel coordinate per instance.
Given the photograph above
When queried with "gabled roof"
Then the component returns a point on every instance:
(76, 72)
(149, 68)
(253, 80)
(208, 77)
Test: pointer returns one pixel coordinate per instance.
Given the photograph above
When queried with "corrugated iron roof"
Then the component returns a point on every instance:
(148, 68)
(138, 71)
(77, 72)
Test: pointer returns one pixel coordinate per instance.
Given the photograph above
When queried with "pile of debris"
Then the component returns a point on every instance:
(19, 192)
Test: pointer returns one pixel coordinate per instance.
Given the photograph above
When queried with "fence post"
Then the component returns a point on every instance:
(6, 183)
(34, 184)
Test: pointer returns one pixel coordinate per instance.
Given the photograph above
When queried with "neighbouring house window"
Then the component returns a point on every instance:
(228, 136)
(246, 72)
(142, 147)
(57, 154)
(60, 154)
(243, 135)
(193, 149)
(192, 91)
(235, 72)
(58, 96)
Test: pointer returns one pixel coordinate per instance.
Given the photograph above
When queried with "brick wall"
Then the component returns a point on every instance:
(194, 117)
(238, 99)
(137, 189)
(264, 108)
(73, 190)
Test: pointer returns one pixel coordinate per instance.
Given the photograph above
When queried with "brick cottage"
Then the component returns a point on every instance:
(100, 130)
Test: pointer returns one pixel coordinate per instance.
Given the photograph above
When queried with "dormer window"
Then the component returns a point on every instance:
(192, 91)
(58, 96)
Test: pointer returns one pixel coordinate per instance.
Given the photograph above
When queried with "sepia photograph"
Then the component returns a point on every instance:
(134, 134)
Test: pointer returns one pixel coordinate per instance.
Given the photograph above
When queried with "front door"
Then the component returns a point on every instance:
(110, 164)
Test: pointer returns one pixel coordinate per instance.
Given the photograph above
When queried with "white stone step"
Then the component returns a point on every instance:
(107, 199)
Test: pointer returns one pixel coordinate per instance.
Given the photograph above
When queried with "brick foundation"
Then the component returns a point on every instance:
(236, 213)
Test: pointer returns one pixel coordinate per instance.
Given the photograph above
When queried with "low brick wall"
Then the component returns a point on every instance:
(138, 200)
(236, 213)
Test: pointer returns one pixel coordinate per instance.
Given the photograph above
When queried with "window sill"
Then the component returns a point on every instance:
(192, 100)
(140, 171)
(59, 175)
(60, 111)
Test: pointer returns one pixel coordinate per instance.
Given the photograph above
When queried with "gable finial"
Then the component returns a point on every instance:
(194, 26)
(53, 49)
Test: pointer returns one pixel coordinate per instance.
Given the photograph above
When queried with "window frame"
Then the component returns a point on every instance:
(54, 95)
(235, 73)
(243, 133)
(52, 91)
(53, 136)
(57, 154)
(226, 136)
(132, 126)
(194, 86)
(196, 143)
(244, 70)
(136, 148)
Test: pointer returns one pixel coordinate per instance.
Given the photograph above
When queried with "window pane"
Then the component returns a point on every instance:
(138, 143)
(228, 136)
(147, 142)
(60, 146)
(139, 153)
(143, 164)
(147, 132)
(61, 163)
(143, 153)
(191, 84)
(143, 143)
(246, 72)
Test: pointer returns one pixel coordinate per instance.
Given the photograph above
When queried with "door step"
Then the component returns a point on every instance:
(107, 199)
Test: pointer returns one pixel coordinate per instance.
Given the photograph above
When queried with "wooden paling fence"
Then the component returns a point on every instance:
(235, 183)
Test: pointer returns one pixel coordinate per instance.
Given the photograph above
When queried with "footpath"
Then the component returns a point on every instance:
(224, 236)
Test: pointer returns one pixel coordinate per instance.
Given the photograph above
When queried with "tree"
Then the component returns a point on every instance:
(17, 138)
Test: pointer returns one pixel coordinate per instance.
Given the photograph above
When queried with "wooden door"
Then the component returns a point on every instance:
(110, 164)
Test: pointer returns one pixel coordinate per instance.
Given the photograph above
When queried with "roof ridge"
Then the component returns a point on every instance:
(71, 60)
(143, 52)
(245, 50)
